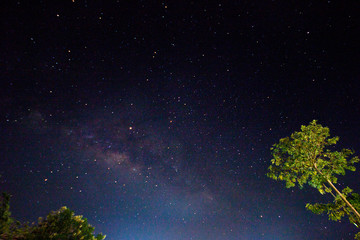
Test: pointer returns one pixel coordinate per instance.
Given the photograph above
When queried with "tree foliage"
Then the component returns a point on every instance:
(308, 157)
(63, 224)
(305, 158)
(338, 209)
(6, 222)
(58, 225)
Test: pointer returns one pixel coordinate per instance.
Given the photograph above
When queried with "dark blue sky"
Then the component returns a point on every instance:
(155, 119)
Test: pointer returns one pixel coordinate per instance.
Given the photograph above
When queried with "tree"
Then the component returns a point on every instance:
(5, 216)
(63, 224)
(58, 225)
(9, 228)
(307, 157)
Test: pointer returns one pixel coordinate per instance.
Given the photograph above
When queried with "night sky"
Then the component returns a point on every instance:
(155, 119)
